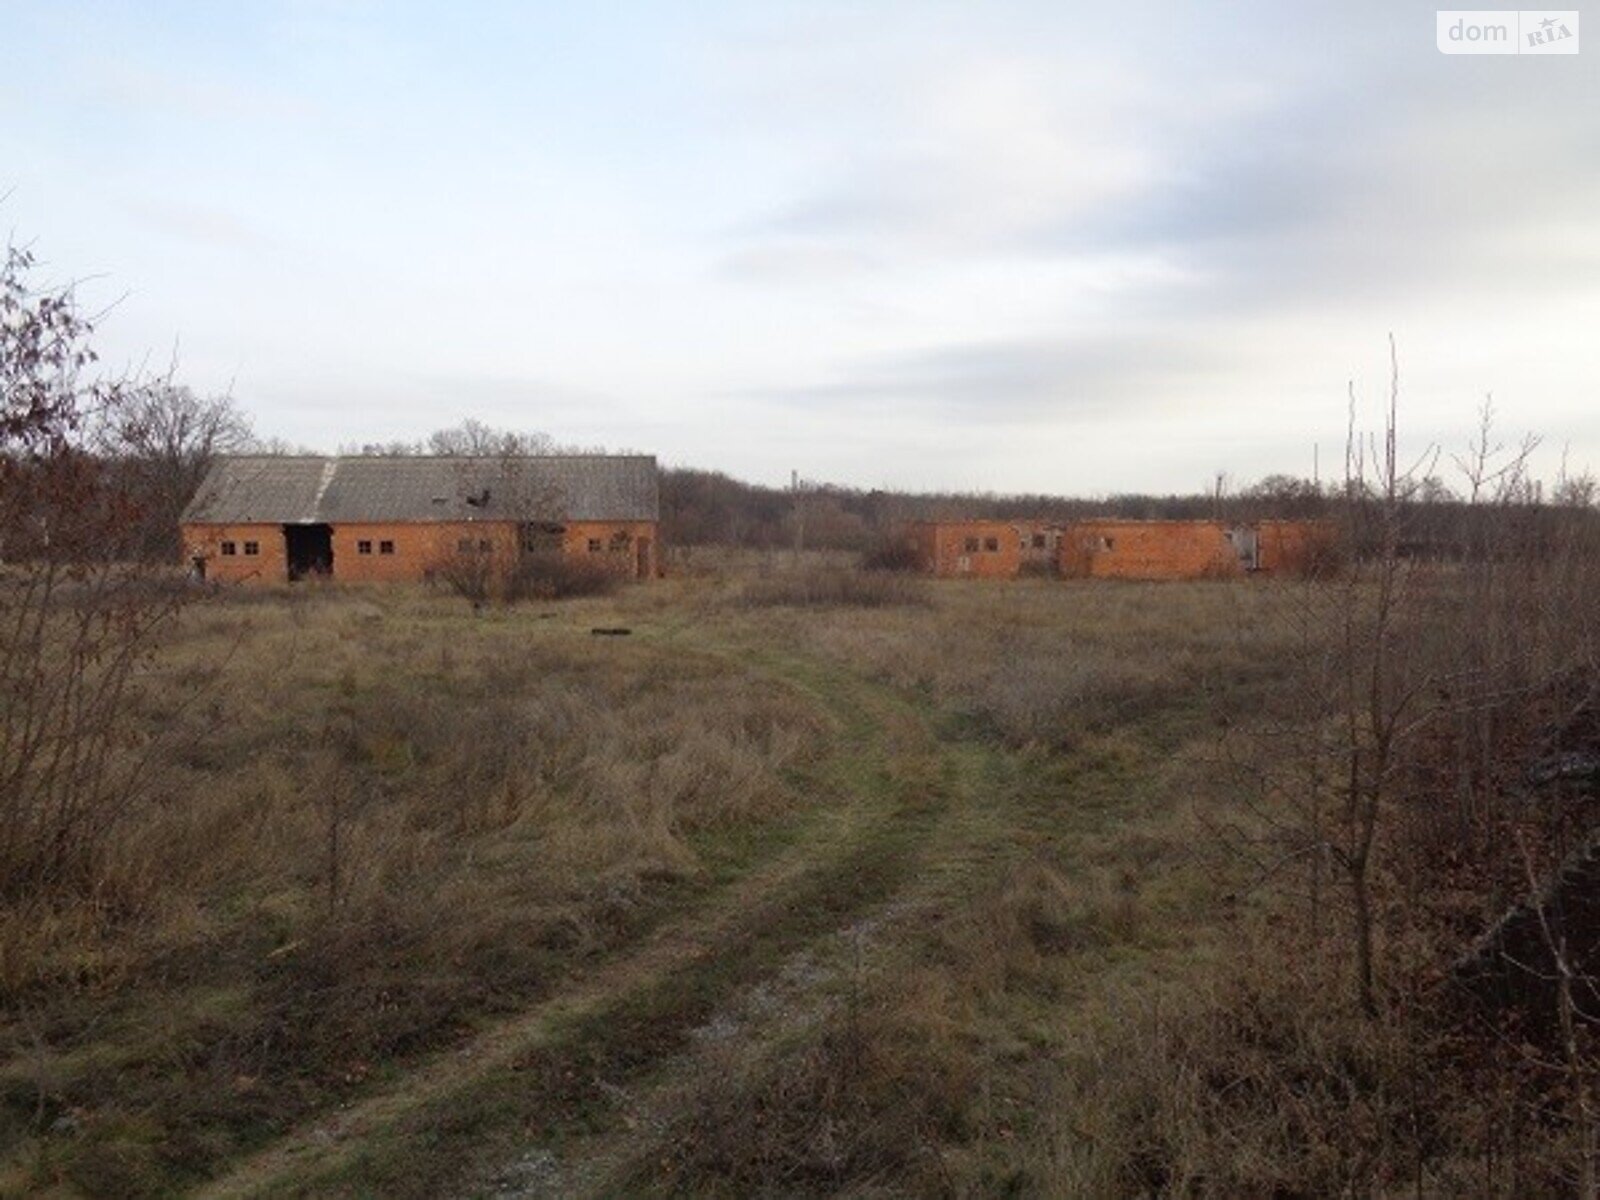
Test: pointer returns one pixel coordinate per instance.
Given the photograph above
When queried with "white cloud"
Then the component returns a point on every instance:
(1011, 246)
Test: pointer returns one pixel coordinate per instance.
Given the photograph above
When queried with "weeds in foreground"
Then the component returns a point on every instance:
(834, 587)
(400, 822)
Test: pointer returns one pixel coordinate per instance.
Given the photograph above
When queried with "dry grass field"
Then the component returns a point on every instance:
(794, 888)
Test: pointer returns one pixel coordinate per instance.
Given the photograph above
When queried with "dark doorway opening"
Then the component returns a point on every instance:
(309, 549)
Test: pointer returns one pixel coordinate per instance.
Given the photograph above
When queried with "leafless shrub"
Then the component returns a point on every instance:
(872, 1094)
(1326, 556)
(476, 576)
(890, 552)
(482, 576)
(831, 587)
(79, 620)
(1386, 790)
(554, 575)
(1366, 687)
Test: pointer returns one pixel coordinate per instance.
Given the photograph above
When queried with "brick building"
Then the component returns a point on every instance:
(1115, 548)
(275, 519)
(967, 549)
(1040, 543)
(1128, 549)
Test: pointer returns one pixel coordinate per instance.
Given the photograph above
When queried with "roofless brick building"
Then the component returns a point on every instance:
(1117, 549)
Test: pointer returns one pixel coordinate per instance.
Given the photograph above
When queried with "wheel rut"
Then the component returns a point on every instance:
(549, 1073)
(769, 1017)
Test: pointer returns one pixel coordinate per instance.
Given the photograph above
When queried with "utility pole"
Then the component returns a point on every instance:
(798, 513)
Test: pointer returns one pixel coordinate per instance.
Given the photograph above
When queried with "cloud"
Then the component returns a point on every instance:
(1085, 376)
(899, 234)
(1396, 182)
(1373, 169)
(796, 260)
(201, 225)
(970, 159)
(121, 84)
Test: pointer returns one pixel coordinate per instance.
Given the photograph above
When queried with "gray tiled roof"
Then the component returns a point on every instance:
(368, 489)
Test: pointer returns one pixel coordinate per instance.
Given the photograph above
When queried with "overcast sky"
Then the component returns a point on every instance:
(996, 246)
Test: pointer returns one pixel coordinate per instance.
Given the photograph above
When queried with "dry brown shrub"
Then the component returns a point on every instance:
(871, 1096)
(481, 578)
(553, 576)
(833, 587)
(890, 552)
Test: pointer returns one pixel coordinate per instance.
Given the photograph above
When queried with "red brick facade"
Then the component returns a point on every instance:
(631, 548)
(407, 551)
(237, 553)
(967, 549)
(1116, 549)
(1149, 550)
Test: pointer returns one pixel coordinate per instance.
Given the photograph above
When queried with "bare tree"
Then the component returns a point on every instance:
(505, 486)
(77, 621)
(470, 439)
(474, 439)
(398, 448)
(1284, 496)
(1414, 674)
(1575, 490)
(1381, 688)
(282, 447)
(164, 438)
(1361, 692)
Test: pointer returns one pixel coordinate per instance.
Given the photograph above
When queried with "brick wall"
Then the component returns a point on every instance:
(630, 548)
(1288, 547)
(405, 551)
(1040, 543)
(208, 542)
(968, 549)
(414, 548)
(1148, 550)
(1111, 549)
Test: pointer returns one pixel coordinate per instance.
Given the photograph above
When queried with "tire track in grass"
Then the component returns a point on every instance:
(970, 837)
(1004, 808)
(540, 1070)
(759, 1022)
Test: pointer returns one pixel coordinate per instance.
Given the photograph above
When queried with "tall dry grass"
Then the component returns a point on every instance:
(1045, 662)
(832, 586)
(386, 821)
(917, 1078)
(1246, 1065)
(390, 821)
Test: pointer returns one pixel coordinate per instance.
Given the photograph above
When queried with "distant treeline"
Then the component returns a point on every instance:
(159, 441)
(710, 508)
(707, 507)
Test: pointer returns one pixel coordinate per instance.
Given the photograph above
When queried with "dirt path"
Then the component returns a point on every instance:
(543, 1067)
(765, 1019)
